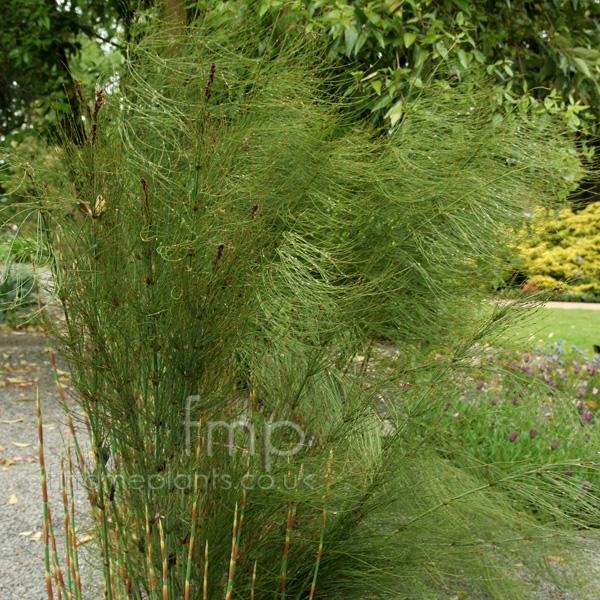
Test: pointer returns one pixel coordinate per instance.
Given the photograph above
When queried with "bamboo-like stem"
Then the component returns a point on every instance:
(313, 587)
(45, 499)
(190, 551)
(48, 528)
(75, 558)
(104, 546)
(253, 582)
(165, 567)
(242, 510)
(205, 581)
(233, 556)
(67, 528)
(291, 518)
(151, 582)
(188, 572)
(58, 576)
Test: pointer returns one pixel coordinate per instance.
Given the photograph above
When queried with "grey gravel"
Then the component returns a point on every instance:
(25, 366)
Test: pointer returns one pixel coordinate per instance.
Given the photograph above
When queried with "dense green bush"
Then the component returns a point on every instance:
(563, 250)
(225, 234)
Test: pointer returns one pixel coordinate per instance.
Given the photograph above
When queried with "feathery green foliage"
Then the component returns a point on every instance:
(225, 235)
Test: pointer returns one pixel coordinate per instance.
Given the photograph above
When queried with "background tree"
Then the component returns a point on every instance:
(43, 43)
(546, 51)
(541, 56)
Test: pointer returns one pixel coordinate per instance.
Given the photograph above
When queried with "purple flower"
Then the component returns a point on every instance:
(495, 400)
(581, 393)
(591, 369)
(579, 404)
(514, 364)
(515, 400)
(440, 416)
(586, 415)
(533, 433)
(513, 436)
(563, 375)
(568, 472)
(529, 371)
(586, 437)
(526, 357)
(595, 391)
(554, 445)
(542, 366)
(577, 368)
(447, 406)
(552, 383)
(479, 385)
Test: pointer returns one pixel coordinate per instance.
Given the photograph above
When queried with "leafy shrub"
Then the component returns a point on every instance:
(16, 292)
(564, 251)
(224, 235)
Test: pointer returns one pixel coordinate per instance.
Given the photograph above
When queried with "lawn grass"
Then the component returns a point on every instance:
(579, 327)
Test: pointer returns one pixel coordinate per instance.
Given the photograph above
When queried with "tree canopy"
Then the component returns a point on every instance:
(43, 44)
(540, 56)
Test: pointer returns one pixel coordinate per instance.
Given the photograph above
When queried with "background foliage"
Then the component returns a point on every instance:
(539, 55)
(43, 44)
(563, 249)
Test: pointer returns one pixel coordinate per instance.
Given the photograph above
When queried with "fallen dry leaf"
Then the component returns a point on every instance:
(84, 540)
(19, 420)
(21, 445)
(24, 399)
(26, 533)
(555, 559)
(16, 380)
(2, 448)
(36, 537)
(6, 462)
(13, 499)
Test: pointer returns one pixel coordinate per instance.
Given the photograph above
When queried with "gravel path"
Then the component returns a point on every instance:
(25, 365)
(573, 305)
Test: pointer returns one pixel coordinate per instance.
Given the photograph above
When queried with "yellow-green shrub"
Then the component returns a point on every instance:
(564, 249)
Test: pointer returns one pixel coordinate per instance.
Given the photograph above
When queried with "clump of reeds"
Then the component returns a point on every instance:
(227, 248)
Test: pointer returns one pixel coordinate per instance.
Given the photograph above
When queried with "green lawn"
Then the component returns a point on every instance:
(575, 326)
